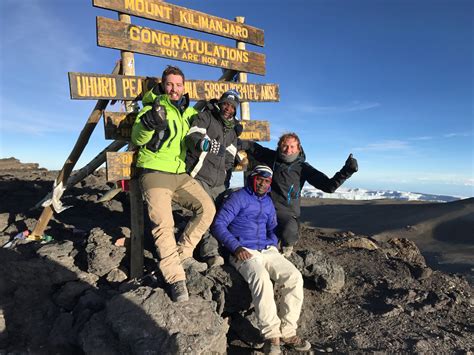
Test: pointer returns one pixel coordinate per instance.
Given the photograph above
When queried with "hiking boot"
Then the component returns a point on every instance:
(215, 261)
(191, 263)
(179, 291)
(286, 251)
(272, 346)
(296, 343)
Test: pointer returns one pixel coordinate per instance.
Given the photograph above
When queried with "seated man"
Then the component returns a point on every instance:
(291, 171)
(245, 226)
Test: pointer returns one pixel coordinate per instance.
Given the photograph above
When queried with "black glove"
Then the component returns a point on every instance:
(351, 164)
(244, 144)
(238, 128)
(155, 119)
(212, 146)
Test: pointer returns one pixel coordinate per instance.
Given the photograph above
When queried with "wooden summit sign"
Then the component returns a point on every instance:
(88, 86)
(179, 16)
(129, 37)
(118, 126)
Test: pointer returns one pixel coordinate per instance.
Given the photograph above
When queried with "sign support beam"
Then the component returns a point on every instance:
(136, 201)
(61, 180)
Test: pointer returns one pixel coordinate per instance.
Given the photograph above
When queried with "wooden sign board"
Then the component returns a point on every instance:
(255, 130)
(120, 165)
(158, 10)
(88, 86)
(138, 39)
(118, 126)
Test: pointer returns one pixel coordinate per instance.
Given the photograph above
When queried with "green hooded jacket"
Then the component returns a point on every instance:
(171, 155)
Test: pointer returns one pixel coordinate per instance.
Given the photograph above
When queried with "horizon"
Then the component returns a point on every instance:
(390, 82)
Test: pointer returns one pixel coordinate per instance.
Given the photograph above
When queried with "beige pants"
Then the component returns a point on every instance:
(159, 191)
(259, 271)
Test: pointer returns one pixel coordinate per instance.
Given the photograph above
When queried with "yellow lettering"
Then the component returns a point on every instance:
(191, 89)
(94, 86)
(165, 39)
(103, 87)
(182, 17)
(129, 4)
(125, 86)
(175, 42)
(146, 35)
(126, 172)
(81, 88)
(139, 5)
(204, 22)
(134, 34)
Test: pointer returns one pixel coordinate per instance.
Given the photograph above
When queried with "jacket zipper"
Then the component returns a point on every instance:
(258, 224)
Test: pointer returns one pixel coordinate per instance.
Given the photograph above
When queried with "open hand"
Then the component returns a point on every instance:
(242, 254)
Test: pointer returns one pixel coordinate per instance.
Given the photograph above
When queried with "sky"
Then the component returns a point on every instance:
(390, 81)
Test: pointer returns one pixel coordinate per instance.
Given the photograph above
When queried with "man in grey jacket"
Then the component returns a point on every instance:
(212, 146)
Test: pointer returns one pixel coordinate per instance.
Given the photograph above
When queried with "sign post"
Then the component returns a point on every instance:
(136, 201)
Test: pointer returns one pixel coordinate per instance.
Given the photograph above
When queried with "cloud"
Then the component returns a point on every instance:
(328, 110)
(453, 135)
(469, 182)
(386, 145)
(422, 138)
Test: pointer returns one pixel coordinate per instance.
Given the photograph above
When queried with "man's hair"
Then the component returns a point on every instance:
(285, 136)
(170, 70)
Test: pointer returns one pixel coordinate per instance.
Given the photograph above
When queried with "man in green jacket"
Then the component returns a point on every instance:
(160, 130)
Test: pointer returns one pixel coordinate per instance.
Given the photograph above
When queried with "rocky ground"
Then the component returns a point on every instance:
(71, 294)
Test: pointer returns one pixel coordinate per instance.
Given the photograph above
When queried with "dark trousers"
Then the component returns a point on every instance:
(209, 246)
(287, 229)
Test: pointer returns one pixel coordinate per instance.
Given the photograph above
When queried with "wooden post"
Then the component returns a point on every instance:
(89, 168)
(71, 161)
(136, 201)
(244, 106)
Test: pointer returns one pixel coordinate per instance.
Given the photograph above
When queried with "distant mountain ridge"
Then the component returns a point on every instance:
(363, 194)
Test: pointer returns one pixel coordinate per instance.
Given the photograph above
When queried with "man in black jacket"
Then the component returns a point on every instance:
(290, 172)
(212, 146)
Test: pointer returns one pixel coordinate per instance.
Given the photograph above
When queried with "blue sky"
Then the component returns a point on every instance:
(389, 81)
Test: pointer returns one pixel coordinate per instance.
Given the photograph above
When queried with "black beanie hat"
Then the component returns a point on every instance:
(232, 97)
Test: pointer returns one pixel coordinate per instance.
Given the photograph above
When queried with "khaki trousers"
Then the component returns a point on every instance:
(259, 271)
(160, 189)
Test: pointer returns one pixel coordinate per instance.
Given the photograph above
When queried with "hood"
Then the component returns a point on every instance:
(301, 157)
(251, 192)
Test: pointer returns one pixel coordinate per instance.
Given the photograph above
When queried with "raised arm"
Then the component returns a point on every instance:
(323, 182)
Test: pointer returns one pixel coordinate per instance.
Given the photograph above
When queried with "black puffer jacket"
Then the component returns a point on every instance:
(206, 166)
(289, 178)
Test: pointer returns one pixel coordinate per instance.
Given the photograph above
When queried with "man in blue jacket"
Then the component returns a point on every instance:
(291, 172)
(245, 226)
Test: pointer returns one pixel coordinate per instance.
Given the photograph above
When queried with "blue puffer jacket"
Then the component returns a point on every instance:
(246, 220)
